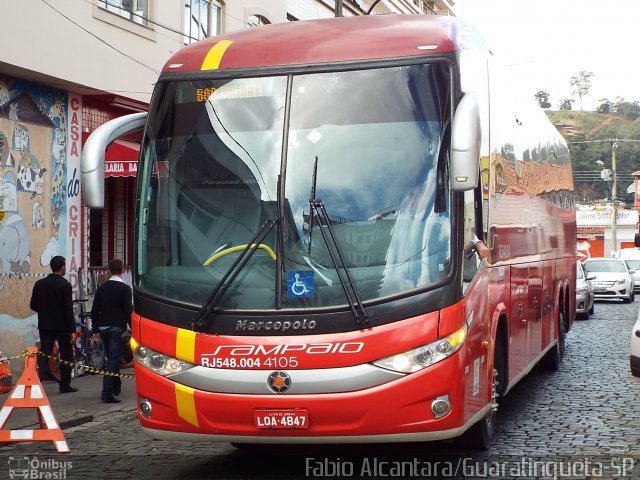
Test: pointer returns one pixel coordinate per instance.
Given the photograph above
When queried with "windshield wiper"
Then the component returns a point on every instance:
(319, 211)
(201, 318)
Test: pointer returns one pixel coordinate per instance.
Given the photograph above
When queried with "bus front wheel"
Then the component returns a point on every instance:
(480, 435)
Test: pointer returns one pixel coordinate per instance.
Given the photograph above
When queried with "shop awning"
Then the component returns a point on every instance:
(121, 159)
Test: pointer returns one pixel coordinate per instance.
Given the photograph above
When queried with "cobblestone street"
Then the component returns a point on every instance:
(583, 418)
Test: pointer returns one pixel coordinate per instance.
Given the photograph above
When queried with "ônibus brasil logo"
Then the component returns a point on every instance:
(34, 467)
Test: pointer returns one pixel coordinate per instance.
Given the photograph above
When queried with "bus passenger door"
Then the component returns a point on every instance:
(518, 341)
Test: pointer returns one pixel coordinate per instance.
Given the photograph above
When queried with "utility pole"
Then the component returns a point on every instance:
(614, 184)
(614, 210)
(339, 8)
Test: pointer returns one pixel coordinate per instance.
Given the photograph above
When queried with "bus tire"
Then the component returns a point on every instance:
(480, 435)
(553, 358)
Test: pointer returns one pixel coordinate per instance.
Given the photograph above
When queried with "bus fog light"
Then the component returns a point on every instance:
(441, 406)
(145, 408)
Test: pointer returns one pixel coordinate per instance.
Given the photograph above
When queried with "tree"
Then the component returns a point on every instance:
(543, 99)
(606, 106)
(630, 110)
(581, 84)
(566, 104)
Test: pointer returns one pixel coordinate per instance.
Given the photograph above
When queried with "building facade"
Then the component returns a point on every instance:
(76, 66)
(595, 230)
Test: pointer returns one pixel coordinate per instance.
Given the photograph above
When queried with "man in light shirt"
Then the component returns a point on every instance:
(110, 316)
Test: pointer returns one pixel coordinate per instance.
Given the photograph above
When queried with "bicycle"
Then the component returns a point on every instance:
(86, 351)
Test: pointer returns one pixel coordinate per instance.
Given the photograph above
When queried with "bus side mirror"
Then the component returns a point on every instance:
(93, 152)
(636, 240)
(465, 145)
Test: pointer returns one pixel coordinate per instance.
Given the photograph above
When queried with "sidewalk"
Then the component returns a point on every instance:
(72, 409)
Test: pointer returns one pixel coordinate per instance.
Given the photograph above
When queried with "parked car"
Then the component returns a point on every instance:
(585, 297)
(634, 358)
(613, 278)
(635, 266)
(632, 257)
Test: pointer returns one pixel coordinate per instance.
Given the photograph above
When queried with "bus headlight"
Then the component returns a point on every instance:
(426, 355)
(158, 362)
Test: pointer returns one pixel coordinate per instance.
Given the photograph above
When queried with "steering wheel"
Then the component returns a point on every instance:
(238, 248)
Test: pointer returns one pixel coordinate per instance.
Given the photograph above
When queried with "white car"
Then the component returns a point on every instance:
(634, 358)
(613, 278)
(635, 265)
(632, 257)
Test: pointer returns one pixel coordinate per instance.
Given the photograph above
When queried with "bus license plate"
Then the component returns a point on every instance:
(283, 418)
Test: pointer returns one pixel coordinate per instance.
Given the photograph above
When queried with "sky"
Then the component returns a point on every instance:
(546, 42)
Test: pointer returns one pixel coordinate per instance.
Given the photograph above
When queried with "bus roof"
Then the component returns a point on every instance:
(326, 41)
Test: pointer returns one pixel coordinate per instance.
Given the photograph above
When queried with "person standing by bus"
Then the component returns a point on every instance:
(51, 299)
(111, 314)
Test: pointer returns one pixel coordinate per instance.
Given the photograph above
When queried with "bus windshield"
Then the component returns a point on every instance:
(223, 156)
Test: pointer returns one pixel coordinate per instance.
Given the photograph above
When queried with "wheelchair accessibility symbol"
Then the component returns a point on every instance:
(300, 284)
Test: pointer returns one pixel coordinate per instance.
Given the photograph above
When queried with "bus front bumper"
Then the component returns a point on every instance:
(397, 411)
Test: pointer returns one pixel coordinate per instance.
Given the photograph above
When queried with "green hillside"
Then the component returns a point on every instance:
(589, 136)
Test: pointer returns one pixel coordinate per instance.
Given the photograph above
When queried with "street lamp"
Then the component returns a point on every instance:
(605, 174)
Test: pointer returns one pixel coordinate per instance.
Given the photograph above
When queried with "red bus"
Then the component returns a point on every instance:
(309, 201)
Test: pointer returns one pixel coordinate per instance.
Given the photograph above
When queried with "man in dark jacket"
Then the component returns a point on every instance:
(51, 299)
(110, 316)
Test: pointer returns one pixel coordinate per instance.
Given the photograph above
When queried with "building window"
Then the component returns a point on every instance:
(201, 20)
(134, 10)
(256, 20)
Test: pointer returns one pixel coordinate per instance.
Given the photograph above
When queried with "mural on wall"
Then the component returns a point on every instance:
(33, 140)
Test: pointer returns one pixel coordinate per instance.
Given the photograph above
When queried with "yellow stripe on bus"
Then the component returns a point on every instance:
(186, 345)
(186, 404)
(213, 58)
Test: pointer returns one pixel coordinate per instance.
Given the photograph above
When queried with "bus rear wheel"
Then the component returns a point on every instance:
(553, 358)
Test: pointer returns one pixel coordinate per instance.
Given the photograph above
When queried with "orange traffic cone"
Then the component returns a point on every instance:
(28, 393)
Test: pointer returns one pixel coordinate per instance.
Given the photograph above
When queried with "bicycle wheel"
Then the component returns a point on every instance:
(79, 358)
(95, 354)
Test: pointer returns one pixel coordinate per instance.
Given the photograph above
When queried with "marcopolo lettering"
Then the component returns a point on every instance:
(277, 325)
